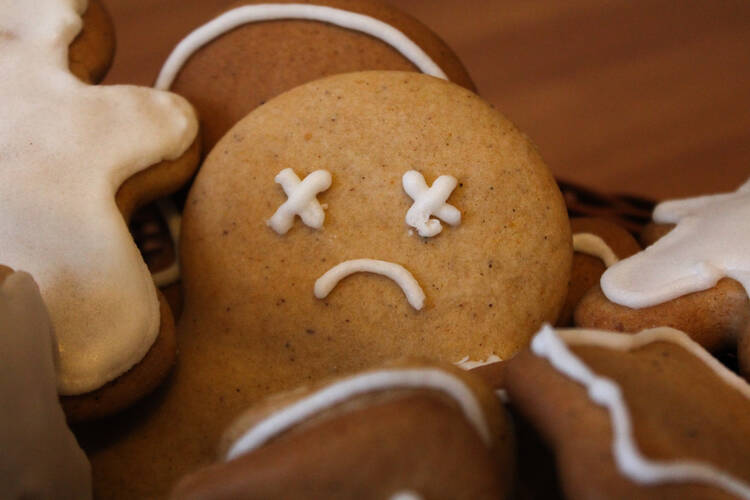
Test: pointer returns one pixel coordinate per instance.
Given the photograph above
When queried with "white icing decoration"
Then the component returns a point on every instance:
(414, 294)
(430, 201)
(268, 12)
(338, 392)
(172, 217)
(302, 200)
(711, 241)
(405, 495)
(39, 456)
(65, 149)
(604, 392)
(593, 245)
(469, 364)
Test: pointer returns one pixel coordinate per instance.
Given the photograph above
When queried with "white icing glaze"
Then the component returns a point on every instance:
(270, 11)
(301, 200)
(376, 381)
(65, 149)
(172, 217)
(414, 294)
(711, 241)
(593, 245)
(469, 364)
(39, 456)
(430, 201)
(551, 345)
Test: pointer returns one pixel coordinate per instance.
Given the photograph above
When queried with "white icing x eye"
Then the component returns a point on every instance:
(301, 200)
(430, 201)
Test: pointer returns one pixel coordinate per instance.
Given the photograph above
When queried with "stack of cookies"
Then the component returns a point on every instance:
(352, 294)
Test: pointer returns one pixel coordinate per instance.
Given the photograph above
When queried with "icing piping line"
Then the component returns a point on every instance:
(339, 392)
(604, 392)
(269, 12)
(593, 245)
(326, 283)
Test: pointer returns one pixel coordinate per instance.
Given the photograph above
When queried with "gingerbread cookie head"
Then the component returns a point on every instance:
(366, 436)
(66, 148)
(301, 237)
(256, 50)
(695, 278)
(40, 457)
(653, 414)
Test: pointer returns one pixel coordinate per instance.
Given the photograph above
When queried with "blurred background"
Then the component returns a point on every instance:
(649, 97)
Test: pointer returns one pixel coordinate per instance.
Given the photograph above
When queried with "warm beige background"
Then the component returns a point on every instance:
(643, 96)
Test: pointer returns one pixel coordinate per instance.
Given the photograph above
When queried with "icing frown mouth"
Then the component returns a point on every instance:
(414, 294)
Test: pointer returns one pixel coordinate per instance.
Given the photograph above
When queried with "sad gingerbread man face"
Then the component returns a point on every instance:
(456, 224)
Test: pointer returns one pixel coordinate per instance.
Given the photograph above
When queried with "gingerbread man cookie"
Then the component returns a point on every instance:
(695, 278)
(257, 50)
(258, 320)
(75, 160)
(366, 436)
(647, 415)
(40, 456)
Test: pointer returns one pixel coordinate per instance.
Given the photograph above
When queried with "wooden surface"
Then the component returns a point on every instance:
(643, 96)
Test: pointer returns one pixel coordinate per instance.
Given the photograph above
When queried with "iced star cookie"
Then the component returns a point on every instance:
(597, 244)
(647, 415)
(695, 278)
(75, 160)
(256, 50)
(433, 431)
(253, 323)
(40, 456)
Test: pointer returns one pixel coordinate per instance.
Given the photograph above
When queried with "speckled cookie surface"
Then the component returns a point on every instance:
(252, 325)
(489, 281)
(243, 68)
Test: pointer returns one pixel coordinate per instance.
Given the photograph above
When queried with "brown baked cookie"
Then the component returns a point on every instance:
(694, 278)
(252, 53)
(40, 456)
(429, 430)
(252, 324)
(74, 164)
(597, 244)
(650, 415)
